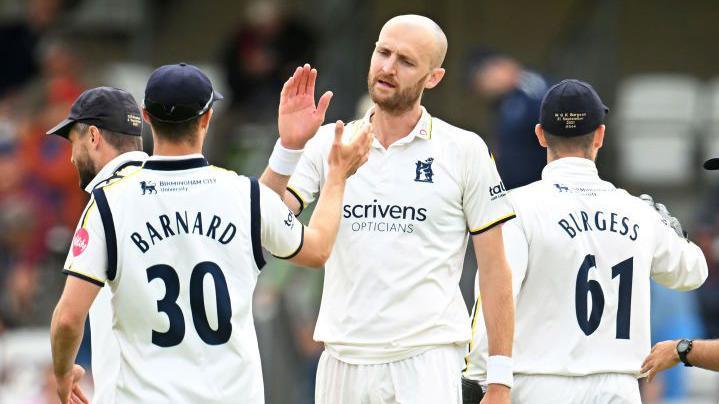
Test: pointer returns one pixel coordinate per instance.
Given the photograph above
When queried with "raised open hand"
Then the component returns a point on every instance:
(298, 118)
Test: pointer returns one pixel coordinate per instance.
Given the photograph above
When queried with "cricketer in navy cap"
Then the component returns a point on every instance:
(571, 108)
(105, 107)
(178, 93)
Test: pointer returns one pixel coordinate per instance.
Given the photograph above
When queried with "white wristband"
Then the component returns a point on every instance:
(499, 370)
(283, 161)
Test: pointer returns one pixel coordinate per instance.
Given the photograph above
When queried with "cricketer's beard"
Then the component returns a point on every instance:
(402, 100)
(85, 168)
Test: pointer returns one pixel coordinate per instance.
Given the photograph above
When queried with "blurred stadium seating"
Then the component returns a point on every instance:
(658, 128)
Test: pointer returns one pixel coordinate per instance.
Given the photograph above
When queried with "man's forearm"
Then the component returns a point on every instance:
(325, 220)
(274, 181)
(495, 286)
(278, 183)
(65, 338)
(705, 354)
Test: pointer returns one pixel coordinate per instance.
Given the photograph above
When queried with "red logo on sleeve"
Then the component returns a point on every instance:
(79, 242)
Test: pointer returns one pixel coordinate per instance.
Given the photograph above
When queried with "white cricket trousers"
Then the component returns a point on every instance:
(432, 377)
(603, 388)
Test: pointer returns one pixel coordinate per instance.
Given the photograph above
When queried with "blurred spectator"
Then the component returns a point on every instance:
(47, 158)
(19, 41)
(516, 94)
(261, 55)
(23, 227)
(39, 199)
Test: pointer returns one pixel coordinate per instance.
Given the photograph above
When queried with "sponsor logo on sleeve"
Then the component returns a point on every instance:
(290, 221)
(80, 241)
(497, 191)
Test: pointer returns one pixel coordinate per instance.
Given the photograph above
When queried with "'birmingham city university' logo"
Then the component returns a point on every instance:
(147, 187)
(423, 171)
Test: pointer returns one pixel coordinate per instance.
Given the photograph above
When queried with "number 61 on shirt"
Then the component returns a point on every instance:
(624, 270)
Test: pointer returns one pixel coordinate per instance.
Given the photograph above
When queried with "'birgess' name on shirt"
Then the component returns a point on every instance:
(179, 223)
(582, 221)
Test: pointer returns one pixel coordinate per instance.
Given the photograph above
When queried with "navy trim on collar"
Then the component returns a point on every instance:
(126, 164)
(174, 165)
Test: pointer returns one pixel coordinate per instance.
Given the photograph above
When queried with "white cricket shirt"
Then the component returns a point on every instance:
(582, 254)
(179, 243)
(391, 283)
(105, 353)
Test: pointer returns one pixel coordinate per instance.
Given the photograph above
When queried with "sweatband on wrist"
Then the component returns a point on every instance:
(282, 160)
(499, 370)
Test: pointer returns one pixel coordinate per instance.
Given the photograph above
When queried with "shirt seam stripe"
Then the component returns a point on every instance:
(299, 247)
(297, 196)
(492, 224)
(84, 276)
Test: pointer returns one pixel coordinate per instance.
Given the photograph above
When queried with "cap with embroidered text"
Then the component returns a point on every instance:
(571, 108)
(105, 107)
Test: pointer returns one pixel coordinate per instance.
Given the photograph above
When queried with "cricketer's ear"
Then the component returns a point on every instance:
(539, 131)
(434, 78)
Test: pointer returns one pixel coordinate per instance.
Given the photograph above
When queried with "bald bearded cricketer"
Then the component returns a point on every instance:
(392, 317)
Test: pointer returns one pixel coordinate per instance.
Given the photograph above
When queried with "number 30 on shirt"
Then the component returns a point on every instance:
(168, 305)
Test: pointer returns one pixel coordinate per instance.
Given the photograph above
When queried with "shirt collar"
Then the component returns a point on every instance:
(156, 157)
(422, 130)
(111, 167)
(571, 168)
(172, 163)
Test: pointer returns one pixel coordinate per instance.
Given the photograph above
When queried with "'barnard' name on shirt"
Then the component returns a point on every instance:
(173, 225)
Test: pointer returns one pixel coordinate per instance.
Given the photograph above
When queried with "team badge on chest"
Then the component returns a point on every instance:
(423, 170)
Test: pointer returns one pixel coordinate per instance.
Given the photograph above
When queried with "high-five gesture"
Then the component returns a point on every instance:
(346, 158)
(298, 118)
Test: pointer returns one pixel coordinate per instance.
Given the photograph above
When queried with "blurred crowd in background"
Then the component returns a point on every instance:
(50, 55)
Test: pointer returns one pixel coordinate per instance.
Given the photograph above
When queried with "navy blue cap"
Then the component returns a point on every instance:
(571, 108)
(178, 93)
(105, 107)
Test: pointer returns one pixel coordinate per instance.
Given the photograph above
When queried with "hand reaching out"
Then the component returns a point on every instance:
(346, 158)
(298, 118)
(663, 356)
